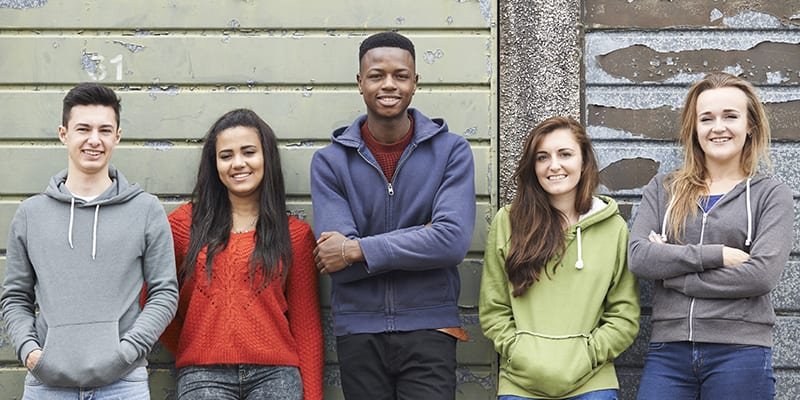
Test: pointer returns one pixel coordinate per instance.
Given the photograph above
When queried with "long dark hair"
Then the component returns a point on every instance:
(211, 208)
(537, 228)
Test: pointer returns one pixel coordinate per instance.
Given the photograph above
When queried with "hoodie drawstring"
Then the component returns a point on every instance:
(579, 263)
(749, 217)
(94, 231)
(94, 227)
(71, 218)
(664, 223)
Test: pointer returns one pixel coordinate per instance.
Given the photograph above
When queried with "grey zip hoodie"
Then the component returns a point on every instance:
(83, 264)
(696, 298)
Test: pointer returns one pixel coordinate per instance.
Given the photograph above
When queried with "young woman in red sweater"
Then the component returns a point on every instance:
(248, 322)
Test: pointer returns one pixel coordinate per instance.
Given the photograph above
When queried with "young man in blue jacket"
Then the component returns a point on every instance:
(394, 206)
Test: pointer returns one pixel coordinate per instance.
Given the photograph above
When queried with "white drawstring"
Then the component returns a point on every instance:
(71, 218)
(664, 223)
(94, 231)
(749, 217)
(579, 263)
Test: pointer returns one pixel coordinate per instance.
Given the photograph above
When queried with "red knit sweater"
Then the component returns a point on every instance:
(227, 321)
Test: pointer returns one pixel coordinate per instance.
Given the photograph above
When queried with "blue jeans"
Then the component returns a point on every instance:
(706, 371)
(608, 394)
(239, 382)
(131, 387)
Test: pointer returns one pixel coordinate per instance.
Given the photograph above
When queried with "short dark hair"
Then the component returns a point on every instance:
(386, 39)
(90, 94)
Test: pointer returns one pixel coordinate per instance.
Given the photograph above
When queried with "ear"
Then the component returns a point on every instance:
(119, 136)
(62, 134)
(416, 82)
(358, 81)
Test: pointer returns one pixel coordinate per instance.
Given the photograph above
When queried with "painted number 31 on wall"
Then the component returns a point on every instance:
(95, 65)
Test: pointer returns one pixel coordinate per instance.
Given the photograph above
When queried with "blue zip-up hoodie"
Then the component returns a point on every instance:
(413, 231)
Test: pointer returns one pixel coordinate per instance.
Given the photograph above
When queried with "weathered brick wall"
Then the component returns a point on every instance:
(638, 57)
(179, 65)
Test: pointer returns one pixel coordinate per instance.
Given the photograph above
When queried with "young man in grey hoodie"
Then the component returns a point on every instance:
(81, 251)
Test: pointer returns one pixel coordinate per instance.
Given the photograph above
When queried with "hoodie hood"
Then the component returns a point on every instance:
(120, 191)
(743, 186)
(602, 208)
(424, 128)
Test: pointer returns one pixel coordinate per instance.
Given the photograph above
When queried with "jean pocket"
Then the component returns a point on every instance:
(139, 374)
(31, 380)
(656, 346)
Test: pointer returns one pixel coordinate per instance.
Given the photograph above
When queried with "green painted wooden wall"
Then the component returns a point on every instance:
(180, 64)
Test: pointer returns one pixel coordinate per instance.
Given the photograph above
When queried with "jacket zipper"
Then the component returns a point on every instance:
(389, 295)
(691, 305)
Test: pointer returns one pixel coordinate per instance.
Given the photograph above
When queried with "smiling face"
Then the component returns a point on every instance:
(90, 136)
(722, 125)
(558, 165)
(240, 161)
(387, 80)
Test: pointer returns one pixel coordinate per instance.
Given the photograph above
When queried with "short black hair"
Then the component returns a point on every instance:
(90, 94)
(386, 39)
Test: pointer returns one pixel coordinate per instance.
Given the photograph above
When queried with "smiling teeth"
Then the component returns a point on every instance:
(720, 140)
(556, 177)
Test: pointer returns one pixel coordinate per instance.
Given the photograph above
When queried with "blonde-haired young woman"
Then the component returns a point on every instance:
(715, 236)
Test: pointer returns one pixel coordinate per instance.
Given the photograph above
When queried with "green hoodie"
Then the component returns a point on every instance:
(560, 338)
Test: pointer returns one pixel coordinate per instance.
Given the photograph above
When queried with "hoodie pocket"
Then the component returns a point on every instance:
(82, 355)
(549, 365)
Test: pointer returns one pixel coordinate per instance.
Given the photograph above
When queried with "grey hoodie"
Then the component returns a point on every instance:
(696, 298)
(83, 264)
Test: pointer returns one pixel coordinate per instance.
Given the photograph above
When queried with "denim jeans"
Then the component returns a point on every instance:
(239, 382)
(608, 394)
(707, 371)
(130, 387)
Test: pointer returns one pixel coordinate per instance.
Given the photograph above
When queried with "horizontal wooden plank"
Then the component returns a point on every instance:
(183, 113)
(649, 14)
(273, 15)
(237, 59)
(165, 169)
(670, 57)
(304, 210)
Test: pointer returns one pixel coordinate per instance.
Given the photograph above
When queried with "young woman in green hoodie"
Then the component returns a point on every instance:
(557, 298)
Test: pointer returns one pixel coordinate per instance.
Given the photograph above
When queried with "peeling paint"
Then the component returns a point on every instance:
(752, 19)
(430, 56)
(640, 63)
(132, 47)
(91, 63)
(400, 20)
(160, 145)
(629, 173)
(471, 131)
(22, 4)
(465, 375)
(651, 13)
(449, 20)
(715, 14)
(663, 123)
(234, 24)
(659, 123)
(486, 10)
(302, 143)
(155, 90)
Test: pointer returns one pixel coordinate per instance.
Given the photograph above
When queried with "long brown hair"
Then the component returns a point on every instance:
(537, 228)
(688, 184)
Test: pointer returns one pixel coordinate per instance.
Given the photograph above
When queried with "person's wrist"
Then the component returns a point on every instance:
(347, 262)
